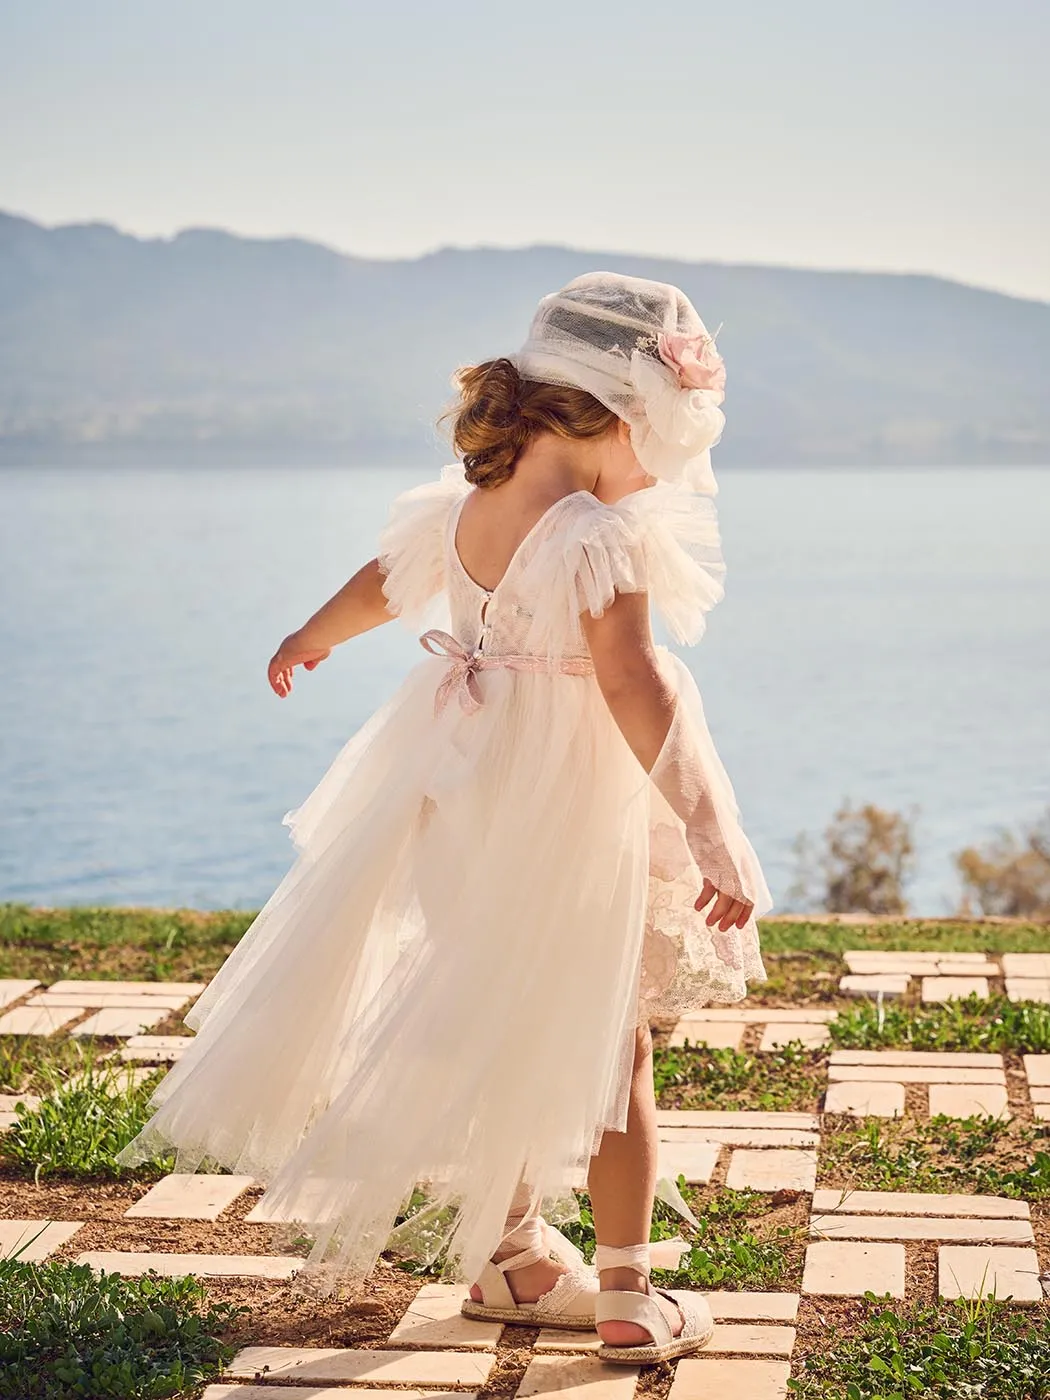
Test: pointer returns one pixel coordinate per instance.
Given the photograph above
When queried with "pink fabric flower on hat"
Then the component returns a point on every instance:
(695, 360)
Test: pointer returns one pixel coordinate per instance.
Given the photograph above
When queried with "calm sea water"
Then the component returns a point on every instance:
(885, 637)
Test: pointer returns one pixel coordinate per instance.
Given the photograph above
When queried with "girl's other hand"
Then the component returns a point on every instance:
(291, 653)
(726, 911)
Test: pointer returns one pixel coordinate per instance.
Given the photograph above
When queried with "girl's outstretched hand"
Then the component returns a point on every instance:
(291, 653)
(726, 911)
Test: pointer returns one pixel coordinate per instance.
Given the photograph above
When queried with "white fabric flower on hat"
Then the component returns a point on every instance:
(673, 428)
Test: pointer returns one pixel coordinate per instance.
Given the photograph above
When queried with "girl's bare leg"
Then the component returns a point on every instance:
(622, 1180)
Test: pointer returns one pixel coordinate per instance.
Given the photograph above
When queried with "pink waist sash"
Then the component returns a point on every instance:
(461, 677)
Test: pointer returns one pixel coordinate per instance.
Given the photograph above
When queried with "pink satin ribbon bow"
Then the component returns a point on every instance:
(461, 678)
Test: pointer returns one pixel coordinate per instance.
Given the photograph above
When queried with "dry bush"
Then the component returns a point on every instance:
(1010, 875)
(868, 857)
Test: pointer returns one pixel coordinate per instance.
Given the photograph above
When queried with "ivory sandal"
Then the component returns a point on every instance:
(652, 1310)
(570, 1303)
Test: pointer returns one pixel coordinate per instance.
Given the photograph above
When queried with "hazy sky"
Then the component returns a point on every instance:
(904, 134)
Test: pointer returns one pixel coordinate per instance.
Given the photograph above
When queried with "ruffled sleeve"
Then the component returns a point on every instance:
(662, 540)
(413, 550)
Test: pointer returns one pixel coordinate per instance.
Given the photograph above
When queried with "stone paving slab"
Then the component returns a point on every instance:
(1037, 1068)
(189, 1196)
(556, 1341)
(114, 1020)
(716, 1035)
(134, 1264)
(34, 1240)
(915, 1074)
(312, 1392)
(742, 1137)
(936, 1059)
(913, 1227)
(155, 1049)
(748, 1339)
(1026, 964)
(880, 958)
(874, 984)
(864, 1099)
(937, 989)
(434, 1320)
(920, 1203)
(1028, 989)
(39, 1020)
(361, 1367)
(836, 1269)
(577, 1378)
(978, 1272)
(738, 1118)
(702, 1378)
(776, 1169)
(91, 985)
(125, 1000)
(762, 1015)
(11, 988)
(918, 965)
(696, 1161)
(969, 1101)
(8, 1104)
(813, 1035)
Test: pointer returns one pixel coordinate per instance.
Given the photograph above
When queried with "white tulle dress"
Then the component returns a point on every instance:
(490, 894)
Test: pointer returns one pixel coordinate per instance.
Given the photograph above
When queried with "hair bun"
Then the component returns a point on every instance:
(499, 411)
(491, 429)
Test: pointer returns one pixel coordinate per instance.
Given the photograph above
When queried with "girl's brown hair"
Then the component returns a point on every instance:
(498, 412)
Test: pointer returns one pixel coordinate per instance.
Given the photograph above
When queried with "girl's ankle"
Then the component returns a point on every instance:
(625, 1280)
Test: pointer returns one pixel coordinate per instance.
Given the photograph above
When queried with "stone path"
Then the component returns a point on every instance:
(858, 1241)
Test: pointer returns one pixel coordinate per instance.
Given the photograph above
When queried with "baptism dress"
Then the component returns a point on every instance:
(490, 895)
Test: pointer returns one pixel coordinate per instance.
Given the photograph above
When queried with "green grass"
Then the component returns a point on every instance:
(696, 1077)
(728, 1250)
(67, 1332)
(990, 1025)
(133, 944)
(905, 935)
(30, 1064)
(954, 1351)
(80, 1125)
(973, 1155)
(185, 945)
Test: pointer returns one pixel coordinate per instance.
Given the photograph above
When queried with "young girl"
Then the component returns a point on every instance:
(524, 857)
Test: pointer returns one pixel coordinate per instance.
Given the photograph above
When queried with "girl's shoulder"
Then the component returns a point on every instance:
(662, 540)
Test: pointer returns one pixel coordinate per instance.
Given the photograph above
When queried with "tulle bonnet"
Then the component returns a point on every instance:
(640, 348)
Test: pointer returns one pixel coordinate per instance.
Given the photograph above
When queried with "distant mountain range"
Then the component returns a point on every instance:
(209, 347)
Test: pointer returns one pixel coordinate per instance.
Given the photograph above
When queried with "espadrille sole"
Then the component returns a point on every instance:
(525, 1315)
(649, 1354)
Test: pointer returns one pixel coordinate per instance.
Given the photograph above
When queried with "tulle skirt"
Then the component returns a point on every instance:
(441, 996)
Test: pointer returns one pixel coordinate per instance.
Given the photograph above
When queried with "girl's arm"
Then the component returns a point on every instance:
(359, 606)
(643, 706)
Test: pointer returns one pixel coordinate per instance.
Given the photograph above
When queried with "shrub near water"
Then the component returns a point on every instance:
(67, 1333)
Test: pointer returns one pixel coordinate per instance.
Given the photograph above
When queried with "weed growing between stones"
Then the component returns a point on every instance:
(66, 1331)
(696, 1077)
(29, 1064)
(728, 1249)
(80, 1125)
(990, 1024)
(953, 1351)
(985, 1156)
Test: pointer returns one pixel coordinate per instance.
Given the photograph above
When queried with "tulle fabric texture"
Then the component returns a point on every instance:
(444, 988)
